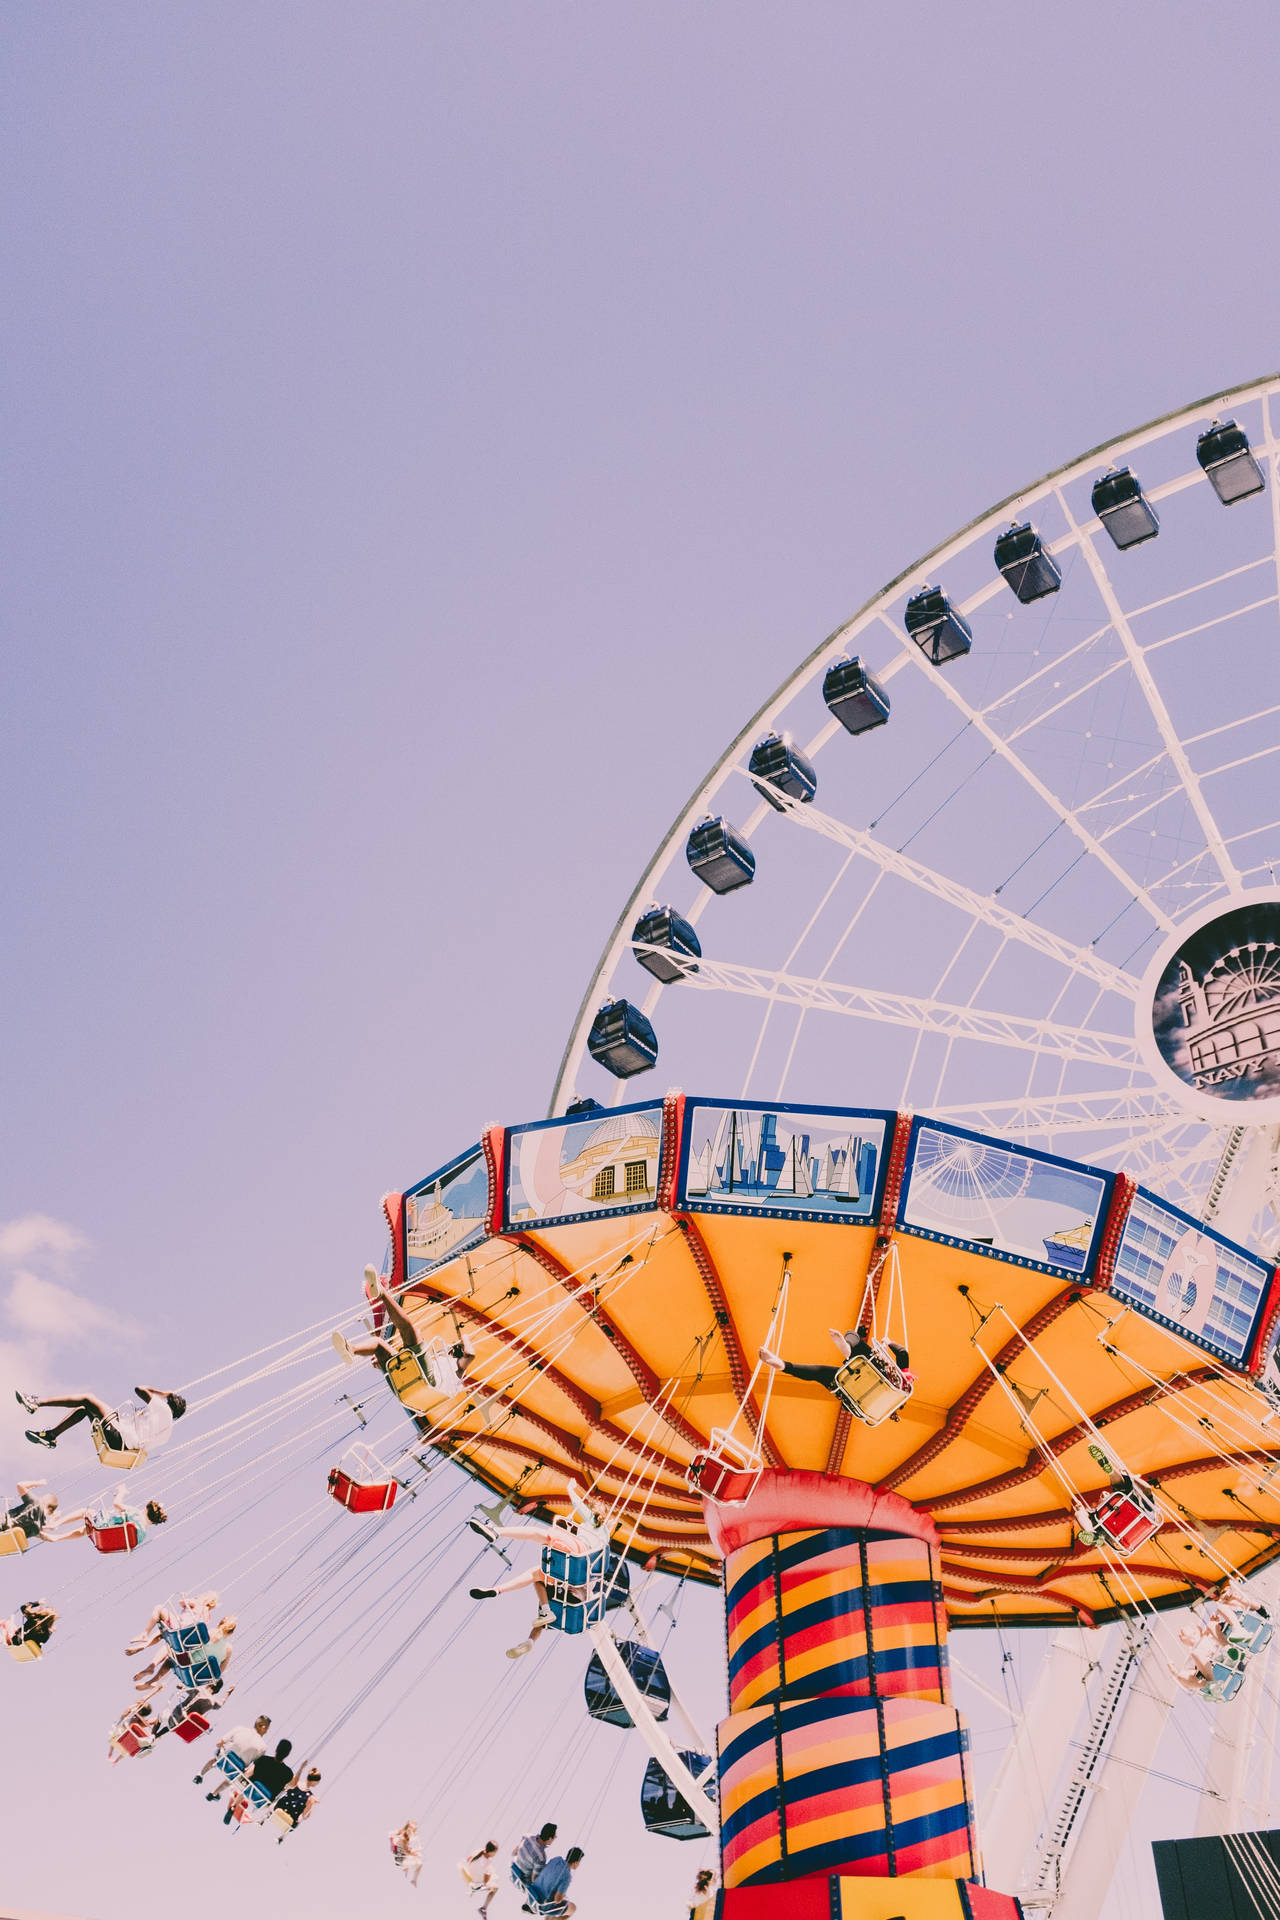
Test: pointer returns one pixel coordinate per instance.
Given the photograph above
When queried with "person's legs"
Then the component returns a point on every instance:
(531, 1577)
(150, 1635)
(545, 1536)
(820, 1375)
(83, 1407)
(399, 1318)
(154, 1673)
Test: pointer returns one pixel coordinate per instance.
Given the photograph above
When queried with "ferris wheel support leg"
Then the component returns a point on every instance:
(844, 1788)
(1017, 1804)
(1116, 1788)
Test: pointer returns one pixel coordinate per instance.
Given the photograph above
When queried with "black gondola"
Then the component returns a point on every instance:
(1029, 569)
(1123, 508)
(776, 764)
(1233, 473)
(938, 630)
(622, 1039)
(719, 855)
(644, 1664)
(857, 701)
(664, 927)
(664, 1810)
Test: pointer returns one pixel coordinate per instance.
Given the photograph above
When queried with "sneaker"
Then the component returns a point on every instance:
(27, 1404)
(519, 1650)
(226, 1818)
(485, 1528)
(40, 1439)
(208, 1796)
(343, 1346)
(543, 1617)
(484, 1593)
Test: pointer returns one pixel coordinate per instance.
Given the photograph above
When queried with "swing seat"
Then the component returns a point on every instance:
(872, 1386)
(185, 1639)
(191, 1726)
(1127, 1517)
(254, 1804)
(1252, 1633)
(113, 1536)
(575, 1585)
(198, 1672)
(1225, 1685)
(136, 1738)
(547, 1908)
(278, 1817)
(231, 1765)
(13, 1540)
(727, 1471)
(362, 1496)
(123, 1459)
(24, 1650)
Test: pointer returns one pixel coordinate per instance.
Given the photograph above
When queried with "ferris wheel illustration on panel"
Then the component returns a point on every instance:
(1003, 848)
(974, 1181)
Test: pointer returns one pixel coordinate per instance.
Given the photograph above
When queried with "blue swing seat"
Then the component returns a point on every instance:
(231, 1764)
(1226, 1683)
(1259, 1628)
(186, 1639)
(192, 1671)
(547, 1909)
(582, 1588)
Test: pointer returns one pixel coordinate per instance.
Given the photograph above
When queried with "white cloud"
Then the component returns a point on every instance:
(52, 1312)
(33, 1234)
(50, 1334)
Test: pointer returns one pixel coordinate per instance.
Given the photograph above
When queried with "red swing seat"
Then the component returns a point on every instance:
(113, 1536)
(137, 1737)
(1127, 1517)
(715, 1478)
(361, 1483)
(191, 1726)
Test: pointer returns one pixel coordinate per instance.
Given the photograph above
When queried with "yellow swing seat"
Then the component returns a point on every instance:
(419, 1375)
(872, 1386)
(23, 1650)
(13, 1540)
(122, 1458)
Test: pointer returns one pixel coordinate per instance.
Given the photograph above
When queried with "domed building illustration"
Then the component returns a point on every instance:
(1232, 1014)
(617, 1161)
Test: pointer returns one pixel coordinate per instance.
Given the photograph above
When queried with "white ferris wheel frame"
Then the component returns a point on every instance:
(1152, 1113)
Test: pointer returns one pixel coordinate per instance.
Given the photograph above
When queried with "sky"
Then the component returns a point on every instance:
(430, 432)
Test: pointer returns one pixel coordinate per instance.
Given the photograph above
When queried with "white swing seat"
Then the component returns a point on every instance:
(872, 1386)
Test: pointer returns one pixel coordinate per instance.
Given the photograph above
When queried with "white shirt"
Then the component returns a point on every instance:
(146, 1426)
(246, 1744)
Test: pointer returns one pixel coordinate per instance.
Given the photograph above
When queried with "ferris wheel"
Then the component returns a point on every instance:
(1002, 849)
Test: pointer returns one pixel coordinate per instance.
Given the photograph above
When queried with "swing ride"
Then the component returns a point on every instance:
(1085, 1341)
(960, 1317)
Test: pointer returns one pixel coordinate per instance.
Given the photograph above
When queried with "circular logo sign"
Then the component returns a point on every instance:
(1212, 1004)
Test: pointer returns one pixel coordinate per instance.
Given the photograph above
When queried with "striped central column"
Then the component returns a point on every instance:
(842, 1759)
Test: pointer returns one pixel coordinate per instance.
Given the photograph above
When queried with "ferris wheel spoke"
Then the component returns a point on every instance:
(1068, 815)
(984, 907)
(1058, 1112)
(1173, 746)
(895, 1009)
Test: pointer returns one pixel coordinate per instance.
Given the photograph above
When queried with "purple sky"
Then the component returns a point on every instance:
(431, 431)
